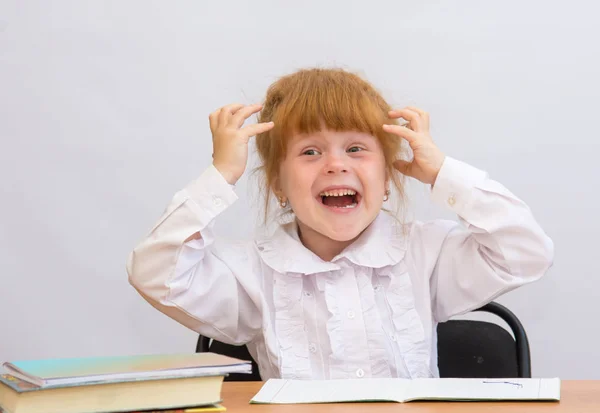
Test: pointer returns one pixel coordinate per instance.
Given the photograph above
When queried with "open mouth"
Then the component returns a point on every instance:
(340, 199)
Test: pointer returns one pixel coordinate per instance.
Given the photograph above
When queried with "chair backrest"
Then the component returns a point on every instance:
(479, 349)
(466, 348)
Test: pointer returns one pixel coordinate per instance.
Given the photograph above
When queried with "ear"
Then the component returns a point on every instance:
(276, 187)
(387, 180)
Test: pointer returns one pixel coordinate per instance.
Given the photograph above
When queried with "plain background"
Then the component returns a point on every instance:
(104, 116)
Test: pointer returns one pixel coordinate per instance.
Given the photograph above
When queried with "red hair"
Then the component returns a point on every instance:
(313, 99)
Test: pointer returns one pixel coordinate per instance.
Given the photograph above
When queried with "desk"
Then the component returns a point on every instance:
(576, 397)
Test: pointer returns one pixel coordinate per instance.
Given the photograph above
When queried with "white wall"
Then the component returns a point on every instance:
(103, 116)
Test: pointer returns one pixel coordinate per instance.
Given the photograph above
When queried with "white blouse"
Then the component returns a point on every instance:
(370, 312)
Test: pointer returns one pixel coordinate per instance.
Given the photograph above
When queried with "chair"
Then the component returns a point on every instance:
(466, 348)
(479, 349)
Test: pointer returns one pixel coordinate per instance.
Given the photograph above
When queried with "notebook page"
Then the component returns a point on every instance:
(550, 389)
(484, 389)
(281, 391)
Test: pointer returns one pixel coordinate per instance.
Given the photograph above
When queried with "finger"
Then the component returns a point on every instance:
(213, 119)
(244, 113)
(408, 134)
(257, 128)
(424, 115)
(415, 109)
(404, 167)
(411, 116)
(394, 115)
(226, 112)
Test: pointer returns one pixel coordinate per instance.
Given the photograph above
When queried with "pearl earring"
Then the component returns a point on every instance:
(387, 195)
(283, 202)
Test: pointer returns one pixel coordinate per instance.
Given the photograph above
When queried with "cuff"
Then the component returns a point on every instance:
(211, 193)
(454, 185)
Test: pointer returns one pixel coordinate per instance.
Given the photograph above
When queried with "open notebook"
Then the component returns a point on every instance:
(280, 391)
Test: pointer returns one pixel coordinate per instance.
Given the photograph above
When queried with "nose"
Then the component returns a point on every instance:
(335, 165)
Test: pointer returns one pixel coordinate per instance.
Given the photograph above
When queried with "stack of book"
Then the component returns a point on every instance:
(180, 382)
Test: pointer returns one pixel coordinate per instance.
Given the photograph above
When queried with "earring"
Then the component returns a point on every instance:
(387, 195)
(283, 202)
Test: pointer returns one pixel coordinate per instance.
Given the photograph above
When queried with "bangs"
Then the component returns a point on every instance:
(333, 100)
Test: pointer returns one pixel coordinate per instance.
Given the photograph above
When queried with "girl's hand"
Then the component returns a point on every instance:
(427, 157)
(230, 140)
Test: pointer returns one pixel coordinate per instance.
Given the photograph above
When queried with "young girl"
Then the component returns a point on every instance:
(343, 290)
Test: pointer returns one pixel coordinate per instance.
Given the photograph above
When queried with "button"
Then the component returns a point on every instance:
(350, 314)
(312, 347)
(451, 200)
(377, 288)
(360, 373)
(392, 336)
(307, 294)
(217, 201)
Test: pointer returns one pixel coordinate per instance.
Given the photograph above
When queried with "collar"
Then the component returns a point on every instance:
(382, 244)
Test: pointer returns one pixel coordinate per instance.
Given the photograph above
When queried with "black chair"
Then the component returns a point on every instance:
(479, 349)
(466, 348)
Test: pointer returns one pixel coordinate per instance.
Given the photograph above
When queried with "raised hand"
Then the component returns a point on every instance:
(427, 157)
(230, 139)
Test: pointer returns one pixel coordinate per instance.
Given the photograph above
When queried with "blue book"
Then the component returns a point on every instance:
(62, 372)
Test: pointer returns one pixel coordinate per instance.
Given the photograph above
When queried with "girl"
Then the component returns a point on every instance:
(343, 290)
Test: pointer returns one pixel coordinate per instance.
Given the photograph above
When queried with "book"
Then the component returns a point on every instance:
(116, 384)
(182, 394)
(202, 409)
(68, 371)
(281, 391)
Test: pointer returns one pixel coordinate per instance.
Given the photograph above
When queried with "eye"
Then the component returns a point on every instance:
(310, 152)
(355, 149)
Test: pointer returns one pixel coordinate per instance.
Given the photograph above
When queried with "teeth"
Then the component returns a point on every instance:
(338, 192)
(354, 205)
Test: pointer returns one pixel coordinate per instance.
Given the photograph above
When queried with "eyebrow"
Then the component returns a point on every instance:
(352, 136)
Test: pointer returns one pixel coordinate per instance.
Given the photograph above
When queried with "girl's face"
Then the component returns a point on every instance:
(335, 183)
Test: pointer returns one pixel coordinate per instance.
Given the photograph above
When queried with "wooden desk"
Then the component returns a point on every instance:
(576, 397)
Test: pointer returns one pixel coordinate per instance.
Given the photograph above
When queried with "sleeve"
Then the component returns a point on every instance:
(498, 247)
(179, 269)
